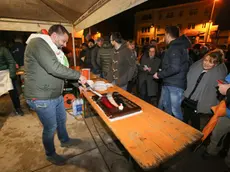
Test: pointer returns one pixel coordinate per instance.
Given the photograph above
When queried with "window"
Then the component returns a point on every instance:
(145, 29)
(147, 17)
(148, 29)
(193, 12)
(160, 16)
(207, 12)
(170, 15)
(158, 28)
(147, 39)
(204, 25)
(142, 30)
(142, 41)
(201, 38)
(181, 13)
(191, 26)
(179, 25)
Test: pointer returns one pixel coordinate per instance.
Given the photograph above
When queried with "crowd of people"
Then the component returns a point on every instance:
(177, 78)
(180, 79)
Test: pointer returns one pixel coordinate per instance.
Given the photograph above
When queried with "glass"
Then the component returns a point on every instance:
(86, 73)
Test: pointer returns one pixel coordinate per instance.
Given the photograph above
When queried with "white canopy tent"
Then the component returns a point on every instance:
(75, 15)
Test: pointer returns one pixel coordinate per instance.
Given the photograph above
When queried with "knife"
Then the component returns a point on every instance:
(86, 85)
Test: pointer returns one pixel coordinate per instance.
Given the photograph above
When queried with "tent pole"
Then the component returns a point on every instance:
(73, 43)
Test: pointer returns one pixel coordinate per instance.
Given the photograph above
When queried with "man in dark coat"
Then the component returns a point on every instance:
(88, 55)
(94, 52)
(123, 64)
(82, 54)
(17, 51)
(175, 65)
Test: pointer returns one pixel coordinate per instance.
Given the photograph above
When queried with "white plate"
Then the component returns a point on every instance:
(100, 82)
(90, 82)
(100, 88)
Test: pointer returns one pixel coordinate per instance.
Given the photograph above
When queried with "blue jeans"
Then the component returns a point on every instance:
(170, 101)
(125, 87)
(52, 115)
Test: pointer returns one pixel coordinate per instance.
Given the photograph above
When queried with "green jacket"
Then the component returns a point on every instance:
(7, 61)
(104, 58)
(44, 74)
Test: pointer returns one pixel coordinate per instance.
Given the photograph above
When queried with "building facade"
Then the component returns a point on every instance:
(193, 19)
(223, 37)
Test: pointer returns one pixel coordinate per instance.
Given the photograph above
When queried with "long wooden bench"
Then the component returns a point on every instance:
(151, 137)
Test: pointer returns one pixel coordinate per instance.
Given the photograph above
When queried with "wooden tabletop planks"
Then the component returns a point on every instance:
(151, 137)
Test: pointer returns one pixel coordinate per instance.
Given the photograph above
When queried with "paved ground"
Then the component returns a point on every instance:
(21, 147)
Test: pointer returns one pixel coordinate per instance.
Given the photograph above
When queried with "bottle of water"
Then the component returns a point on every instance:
(81, 105)
(77, 107)
(74, 107)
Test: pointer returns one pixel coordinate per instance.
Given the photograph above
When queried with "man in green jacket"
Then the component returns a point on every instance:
(46, 67)
(7, 63)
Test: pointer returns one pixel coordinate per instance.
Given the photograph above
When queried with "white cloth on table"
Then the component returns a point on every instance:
(5, 82)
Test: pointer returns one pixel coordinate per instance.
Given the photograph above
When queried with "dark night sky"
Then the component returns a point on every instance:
(124, 22)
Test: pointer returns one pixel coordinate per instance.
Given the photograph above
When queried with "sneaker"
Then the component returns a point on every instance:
(71, 143)
(56, 159)
(19, 111)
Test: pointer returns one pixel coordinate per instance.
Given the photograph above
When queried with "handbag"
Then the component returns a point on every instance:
(189, 103)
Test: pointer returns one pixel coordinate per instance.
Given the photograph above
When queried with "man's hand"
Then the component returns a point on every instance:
(223, 88)
(155, 76)
(82, 89)
(145, 69)
(82, 79)
(149, 69)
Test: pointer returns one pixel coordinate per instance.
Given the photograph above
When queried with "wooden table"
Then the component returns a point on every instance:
(151, 137)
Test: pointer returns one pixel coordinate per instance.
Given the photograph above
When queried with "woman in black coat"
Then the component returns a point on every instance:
(149, 64)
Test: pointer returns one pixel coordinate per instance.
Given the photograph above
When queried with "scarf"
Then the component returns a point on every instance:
(205, 92)
(58, 52)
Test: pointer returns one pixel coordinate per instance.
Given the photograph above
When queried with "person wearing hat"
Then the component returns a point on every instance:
(88, 55)
(94, 60)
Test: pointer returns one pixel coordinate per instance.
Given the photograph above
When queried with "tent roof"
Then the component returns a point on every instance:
(66, 11)
(31, 15)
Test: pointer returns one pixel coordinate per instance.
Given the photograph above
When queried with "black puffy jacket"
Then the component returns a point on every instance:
(175, 63)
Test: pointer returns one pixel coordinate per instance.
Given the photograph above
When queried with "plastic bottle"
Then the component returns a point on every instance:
(81, 104)
(79, 107)
(74, 107)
